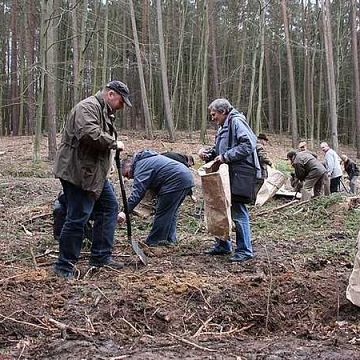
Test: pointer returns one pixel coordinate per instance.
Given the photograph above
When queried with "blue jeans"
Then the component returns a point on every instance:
(80, 205)
(240, 216)
(164, 224)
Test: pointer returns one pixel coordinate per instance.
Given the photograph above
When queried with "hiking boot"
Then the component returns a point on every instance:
(160, 243)
(221, 247)
(64, 273)
(240, 257)
(110, 262)
(218, 250)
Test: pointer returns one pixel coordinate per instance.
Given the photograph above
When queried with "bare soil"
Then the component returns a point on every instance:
(288, 303)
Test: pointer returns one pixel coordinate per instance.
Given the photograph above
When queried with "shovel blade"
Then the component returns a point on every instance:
(138, 251)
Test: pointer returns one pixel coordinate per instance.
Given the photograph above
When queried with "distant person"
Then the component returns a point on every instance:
(303, 147)
(82, 164)
(310, 172)
(333, 167)
(261, 142)
(170, 180)
(352, 170)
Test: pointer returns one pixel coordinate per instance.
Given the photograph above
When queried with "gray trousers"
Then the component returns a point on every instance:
(316, 183)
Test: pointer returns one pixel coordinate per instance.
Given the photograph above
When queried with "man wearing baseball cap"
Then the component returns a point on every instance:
(121, 89)
(82, 164)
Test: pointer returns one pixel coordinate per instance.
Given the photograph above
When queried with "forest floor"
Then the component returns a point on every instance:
(288, 303)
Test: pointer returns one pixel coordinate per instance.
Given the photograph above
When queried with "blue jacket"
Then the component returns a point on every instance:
(152, 171)
(242, 143)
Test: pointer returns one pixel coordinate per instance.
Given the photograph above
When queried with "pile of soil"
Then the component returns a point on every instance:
(289, 302)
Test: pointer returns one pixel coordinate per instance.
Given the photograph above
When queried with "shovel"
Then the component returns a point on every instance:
(345, 188)
(134, 244)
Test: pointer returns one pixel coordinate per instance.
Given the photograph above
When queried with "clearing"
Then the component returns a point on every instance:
(289, 303)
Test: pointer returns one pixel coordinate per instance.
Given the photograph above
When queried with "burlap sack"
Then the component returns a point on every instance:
(217, 199)
(353, 289)
(271, 185)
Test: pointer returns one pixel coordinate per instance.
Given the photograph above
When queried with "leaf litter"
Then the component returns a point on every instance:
(289, 302)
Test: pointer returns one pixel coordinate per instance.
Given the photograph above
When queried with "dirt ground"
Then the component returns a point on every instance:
(288, 303)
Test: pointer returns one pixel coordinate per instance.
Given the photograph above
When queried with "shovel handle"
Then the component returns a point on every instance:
(123, 194)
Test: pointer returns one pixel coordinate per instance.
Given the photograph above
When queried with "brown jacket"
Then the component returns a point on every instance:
(263, 159)
(307, 166)
(83, 157)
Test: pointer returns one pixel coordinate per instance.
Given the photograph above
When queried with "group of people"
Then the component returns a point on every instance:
(85, 157)
(312, 175)
(83, 163)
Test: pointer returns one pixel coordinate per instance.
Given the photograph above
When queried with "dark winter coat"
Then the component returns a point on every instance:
(263, 159)
(307, 166)
(83, 157)
(162, 175)
(351, 168)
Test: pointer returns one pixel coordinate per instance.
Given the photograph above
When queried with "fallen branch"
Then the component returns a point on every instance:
(131, 325)
(192, 343)
(225, 333)
(64, 327)
(22, 322)
(287, 205)
(198, 332)
(39, 216)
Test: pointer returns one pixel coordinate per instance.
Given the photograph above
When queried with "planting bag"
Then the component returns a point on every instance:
(353, 289)
(217, 199)
(271, 185)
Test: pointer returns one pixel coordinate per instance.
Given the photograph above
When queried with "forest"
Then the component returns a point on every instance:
(291, 66)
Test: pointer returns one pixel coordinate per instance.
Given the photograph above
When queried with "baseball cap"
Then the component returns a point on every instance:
(291, 154)
(121, 89)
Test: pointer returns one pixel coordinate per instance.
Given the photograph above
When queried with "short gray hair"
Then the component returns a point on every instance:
(222, 106)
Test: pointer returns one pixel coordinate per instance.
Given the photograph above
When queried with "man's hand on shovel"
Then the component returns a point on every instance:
(120, 145)
(121, 218)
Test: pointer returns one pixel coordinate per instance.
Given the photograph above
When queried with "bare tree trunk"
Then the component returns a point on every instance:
(330, 72)
(165, 85)
(14, 69)
(106, 31)
(241, 73)
(204, 85)
(188, 116)
(42, 56)
(212, 24)
(252, 85)
(51, 76)
(356, 71)
(318, 117)
(261, 65)
(30, 56)
(293, 121)
(81, 64)
(269, 87)
(306, 90)
(75, 45)
(174, 103)
(148, 124)
(22, 79)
